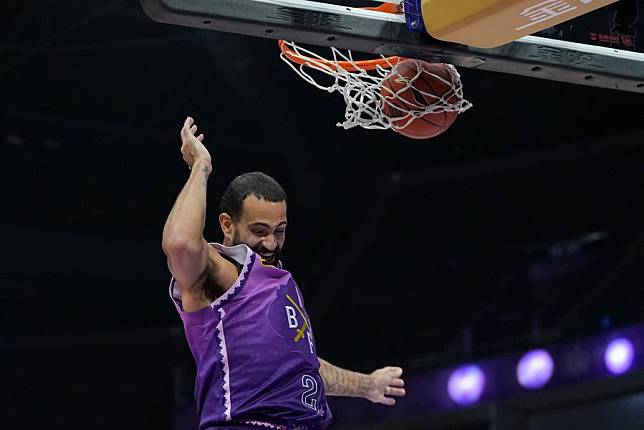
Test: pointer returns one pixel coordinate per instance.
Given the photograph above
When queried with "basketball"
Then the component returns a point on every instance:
(413, 87)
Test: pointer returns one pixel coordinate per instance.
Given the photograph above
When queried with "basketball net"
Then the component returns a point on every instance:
(360, 84)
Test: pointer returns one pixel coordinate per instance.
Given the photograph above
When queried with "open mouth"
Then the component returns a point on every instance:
(268, 257)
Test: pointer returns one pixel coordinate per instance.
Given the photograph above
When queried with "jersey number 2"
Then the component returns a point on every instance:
(309, 395)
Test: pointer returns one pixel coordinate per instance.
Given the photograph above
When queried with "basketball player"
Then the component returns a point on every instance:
(243, 314)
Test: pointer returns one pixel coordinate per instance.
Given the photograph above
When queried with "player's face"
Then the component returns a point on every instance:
(262, 226)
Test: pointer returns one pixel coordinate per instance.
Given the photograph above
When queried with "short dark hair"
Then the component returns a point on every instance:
(255, 184)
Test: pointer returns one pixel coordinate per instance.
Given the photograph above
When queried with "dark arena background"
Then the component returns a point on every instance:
(519, 229)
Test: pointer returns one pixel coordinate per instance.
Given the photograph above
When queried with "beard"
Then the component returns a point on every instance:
(268, 257)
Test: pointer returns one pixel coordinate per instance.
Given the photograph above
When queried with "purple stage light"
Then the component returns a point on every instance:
(619, 356)
(466, 384)
(535, 369)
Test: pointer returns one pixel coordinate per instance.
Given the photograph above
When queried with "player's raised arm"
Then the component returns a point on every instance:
(188, 253)
(380, 386)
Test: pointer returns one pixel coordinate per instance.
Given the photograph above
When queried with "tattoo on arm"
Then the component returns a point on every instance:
(206, 174)
(342, 382)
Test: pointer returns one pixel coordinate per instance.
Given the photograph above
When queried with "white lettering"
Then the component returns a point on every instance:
(290, 315)
(310, 337)
(309, 396)
(544, 11)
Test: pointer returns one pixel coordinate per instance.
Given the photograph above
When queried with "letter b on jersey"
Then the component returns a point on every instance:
(291, 316)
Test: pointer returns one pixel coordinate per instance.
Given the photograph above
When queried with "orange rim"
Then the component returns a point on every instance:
(349, 66)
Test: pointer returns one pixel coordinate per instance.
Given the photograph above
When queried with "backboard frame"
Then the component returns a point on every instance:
(379, 33)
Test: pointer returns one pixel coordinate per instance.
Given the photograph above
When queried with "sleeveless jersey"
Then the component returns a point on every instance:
(255, 352)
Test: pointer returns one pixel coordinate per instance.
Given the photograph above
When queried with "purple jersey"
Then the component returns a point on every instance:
(255, 352)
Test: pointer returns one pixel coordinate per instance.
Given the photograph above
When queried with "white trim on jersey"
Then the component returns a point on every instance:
(241, 254)
(224, 358)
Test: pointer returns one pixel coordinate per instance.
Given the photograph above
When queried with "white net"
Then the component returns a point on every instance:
(369, 103)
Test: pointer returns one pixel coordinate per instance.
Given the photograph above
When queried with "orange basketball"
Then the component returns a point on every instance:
(412, 99)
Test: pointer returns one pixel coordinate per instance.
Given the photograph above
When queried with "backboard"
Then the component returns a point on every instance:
(604, 48)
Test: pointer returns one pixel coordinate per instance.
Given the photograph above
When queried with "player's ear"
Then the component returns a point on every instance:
(227, 227)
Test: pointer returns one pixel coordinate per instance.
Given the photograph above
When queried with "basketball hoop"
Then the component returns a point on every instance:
(368, 103)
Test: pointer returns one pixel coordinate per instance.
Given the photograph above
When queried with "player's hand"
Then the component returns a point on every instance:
(192, 147)
(385, 384)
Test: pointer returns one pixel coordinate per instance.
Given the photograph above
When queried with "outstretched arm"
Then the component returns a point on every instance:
(380, 386)
(183, 241)
(190, 259)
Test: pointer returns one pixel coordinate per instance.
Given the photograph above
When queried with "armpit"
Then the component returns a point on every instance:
(208, 284)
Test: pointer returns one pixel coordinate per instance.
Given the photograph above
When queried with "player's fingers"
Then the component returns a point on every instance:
(388, 401)
(186, 125)
(397, 382)
(398, 392)
(193, 129)
(395, 371)
(201, 137)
